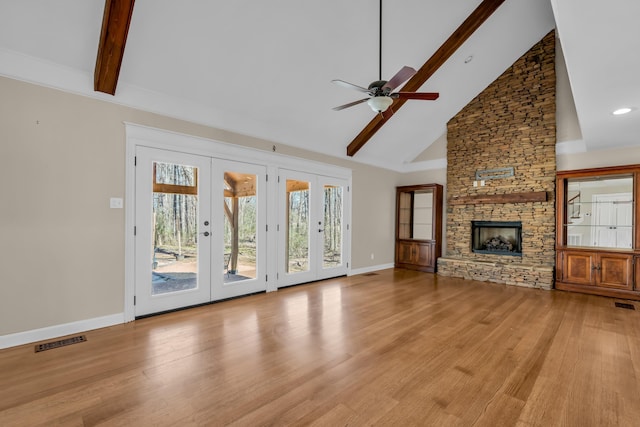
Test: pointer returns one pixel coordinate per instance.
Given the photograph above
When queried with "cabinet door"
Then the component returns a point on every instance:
(577, 268)
(615, 271)
(424, 254)
(405, 252)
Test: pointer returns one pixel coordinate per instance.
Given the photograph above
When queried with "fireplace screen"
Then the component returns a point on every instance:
(496, 237)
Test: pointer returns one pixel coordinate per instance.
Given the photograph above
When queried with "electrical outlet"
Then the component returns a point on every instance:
(475, 183)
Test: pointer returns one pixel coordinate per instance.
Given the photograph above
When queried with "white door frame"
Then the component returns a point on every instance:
(138, 135)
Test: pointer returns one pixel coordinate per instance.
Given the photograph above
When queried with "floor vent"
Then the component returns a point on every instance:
(60, 343)
(370, 274)
(625, 305)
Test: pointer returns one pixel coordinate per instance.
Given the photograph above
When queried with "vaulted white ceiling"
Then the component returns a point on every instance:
(263, 68)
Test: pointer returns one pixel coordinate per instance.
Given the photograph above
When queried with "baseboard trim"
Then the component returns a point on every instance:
(363, 270)
(34, 335)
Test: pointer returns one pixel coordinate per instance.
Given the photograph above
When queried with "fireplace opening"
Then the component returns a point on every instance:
(496, 237)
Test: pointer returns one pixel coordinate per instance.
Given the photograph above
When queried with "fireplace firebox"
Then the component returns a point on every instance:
(496, 237)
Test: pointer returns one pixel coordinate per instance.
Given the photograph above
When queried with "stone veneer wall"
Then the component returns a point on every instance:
(510, 124)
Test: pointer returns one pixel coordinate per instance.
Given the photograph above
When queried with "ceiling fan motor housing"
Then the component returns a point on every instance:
(376, 88)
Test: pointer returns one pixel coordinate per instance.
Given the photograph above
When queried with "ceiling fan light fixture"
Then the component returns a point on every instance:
(379, 104)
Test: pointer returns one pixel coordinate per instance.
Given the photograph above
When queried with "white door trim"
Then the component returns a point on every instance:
(138, 135)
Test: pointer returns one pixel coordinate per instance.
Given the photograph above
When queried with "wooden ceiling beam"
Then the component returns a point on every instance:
(444, 52)
(113, 38)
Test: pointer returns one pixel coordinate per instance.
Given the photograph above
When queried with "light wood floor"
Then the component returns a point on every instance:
(397, 348)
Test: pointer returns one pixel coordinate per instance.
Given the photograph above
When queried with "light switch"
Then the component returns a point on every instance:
(115, 203)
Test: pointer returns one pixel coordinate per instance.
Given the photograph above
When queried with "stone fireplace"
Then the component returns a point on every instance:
(510, 126)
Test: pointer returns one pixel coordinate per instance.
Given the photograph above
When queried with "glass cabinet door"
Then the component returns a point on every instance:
(599, 212)
(415, 214)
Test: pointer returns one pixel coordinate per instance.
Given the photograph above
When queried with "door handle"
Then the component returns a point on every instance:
(320, 230)
(206, 234)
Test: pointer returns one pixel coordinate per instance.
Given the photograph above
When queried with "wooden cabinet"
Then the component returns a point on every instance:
(597, 270)
(418, 226)
(417, 255)
(615, 271)
(597, 240)
(578, 268)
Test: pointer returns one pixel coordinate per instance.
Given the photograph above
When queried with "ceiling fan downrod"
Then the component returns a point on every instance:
(381, 95)
(380, 41)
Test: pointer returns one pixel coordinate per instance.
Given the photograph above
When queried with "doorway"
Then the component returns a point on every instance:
(200, 225)
(314, 228)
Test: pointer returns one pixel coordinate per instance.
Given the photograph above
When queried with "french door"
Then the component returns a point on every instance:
(200, 227)
(312, 227)
(240, 209)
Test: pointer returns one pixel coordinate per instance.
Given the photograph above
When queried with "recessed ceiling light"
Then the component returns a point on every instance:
(468, 59)
(621, 111)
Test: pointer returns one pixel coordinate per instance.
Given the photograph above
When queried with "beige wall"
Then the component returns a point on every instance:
(598, 159)
(62, 157)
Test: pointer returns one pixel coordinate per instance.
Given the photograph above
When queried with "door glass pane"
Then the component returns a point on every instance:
(297, 251)
(600, 212)
(415, 215)
(332, 255)
(423, 215)
(174, 224)
(240, 227)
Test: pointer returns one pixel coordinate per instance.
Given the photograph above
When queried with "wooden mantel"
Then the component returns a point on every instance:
(479, 199)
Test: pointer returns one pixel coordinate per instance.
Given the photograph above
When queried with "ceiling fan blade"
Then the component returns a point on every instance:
(429, 96)
(351, 104)
(350, 86)
(401, 76)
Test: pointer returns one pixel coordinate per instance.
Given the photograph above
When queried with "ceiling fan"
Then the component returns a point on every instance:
(380, 92)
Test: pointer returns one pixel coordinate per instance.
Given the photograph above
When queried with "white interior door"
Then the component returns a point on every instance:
(173, 231)
(612, 220)
(312, 227)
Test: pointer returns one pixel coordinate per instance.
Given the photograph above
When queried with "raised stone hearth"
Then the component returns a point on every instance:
(511, 124)
(530, 276)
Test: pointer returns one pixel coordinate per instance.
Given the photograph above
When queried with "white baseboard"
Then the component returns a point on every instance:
(355, 271)
(49, 332)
